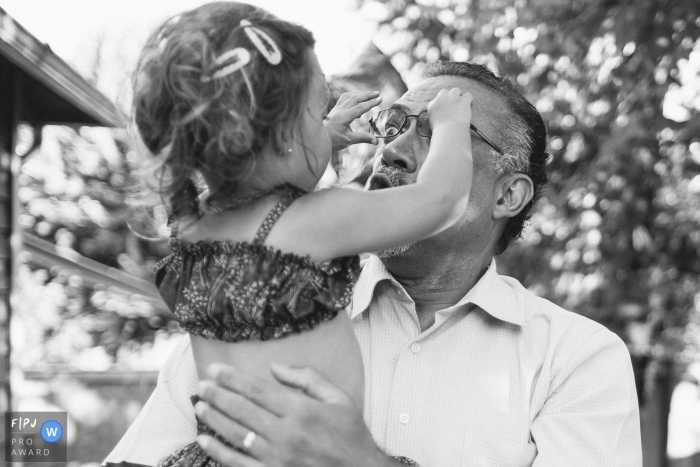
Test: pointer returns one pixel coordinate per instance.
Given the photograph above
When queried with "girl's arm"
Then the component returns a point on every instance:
(340, 222)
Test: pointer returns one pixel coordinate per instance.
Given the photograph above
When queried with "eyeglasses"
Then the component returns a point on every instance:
(390, 123)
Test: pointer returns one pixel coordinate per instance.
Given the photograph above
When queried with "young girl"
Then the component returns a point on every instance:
(263, 266)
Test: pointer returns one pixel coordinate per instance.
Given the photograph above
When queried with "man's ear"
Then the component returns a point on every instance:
(513, 192)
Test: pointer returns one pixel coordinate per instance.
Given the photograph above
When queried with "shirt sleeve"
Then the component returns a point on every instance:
(684, 421)
(591, 416)
(167, 421)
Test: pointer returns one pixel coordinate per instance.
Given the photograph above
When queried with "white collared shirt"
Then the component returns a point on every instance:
(502, 379)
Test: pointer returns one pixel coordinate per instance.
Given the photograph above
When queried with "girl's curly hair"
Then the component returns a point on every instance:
(219, 126)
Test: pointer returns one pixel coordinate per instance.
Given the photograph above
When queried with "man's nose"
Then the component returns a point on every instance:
(399, 153)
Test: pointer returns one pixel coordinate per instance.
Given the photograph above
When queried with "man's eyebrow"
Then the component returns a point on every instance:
(400, 107)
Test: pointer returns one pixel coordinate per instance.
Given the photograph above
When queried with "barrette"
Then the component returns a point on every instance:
(256, 36)
(242, 57)
(162, 37)
(162, 44)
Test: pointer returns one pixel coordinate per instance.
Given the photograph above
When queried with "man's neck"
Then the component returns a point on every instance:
(436, 282)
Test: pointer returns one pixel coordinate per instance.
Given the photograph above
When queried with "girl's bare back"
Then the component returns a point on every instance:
(331, 349)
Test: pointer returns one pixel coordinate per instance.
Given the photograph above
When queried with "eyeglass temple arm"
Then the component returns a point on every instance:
(488, 141)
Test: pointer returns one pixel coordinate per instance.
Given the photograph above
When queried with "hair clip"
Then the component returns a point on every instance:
(167, 25)
(257, 36)
(162, 37)
(162, 44)
(242, 57)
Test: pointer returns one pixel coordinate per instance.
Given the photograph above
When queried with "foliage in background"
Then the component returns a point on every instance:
(72, 194)
(618, 234)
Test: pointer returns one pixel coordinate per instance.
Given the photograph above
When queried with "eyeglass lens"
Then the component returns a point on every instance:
(392, 122)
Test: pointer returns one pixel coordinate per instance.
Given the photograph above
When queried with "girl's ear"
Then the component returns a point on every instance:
(513, 192)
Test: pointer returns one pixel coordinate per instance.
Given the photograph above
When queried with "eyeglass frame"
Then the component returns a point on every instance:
(374, 130)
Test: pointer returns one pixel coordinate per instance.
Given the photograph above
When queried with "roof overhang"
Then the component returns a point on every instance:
(52, 92)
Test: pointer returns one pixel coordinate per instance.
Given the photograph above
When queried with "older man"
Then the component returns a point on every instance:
(463, 366)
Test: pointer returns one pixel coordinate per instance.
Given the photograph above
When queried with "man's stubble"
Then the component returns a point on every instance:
(395, 178)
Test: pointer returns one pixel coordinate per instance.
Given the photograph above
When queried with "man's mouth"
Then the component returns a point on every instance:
(379, 181)
(386, 177)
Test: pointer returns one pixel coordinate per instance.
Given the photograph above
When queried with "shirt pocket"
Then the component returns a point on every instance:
(487, 449)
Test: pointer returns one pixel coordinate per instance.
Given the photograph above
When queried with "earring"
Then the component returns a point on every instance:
(289, 150)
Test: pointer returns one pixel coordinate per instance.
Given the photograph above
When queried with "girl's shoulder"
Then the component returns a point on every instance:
(243, 232)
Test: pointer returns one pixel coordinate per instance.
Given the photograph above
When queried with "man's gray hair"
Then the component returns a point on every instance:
(516, 144)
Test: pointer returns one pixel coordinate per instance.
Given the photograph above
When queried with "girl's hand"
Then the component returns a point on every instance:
(451, 107)
(349, 107)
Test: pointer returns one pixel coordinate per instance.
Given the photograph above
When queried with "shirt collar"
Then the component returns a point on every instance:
(491, 293)
(373, 272)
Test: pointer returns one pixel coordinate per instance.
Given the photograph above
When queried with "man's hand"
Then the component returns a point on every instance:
(349, 107)
(306, 421)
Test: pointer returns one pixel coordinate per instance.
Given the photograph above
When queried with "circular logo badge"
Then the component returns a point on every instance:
(51, 431)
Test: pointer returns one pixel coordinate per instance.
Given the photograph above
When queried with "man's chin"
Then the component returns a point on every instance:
(394, 252)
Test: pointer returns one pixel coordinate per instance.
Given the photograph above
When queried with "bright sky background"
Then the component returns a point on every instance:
(71, 28)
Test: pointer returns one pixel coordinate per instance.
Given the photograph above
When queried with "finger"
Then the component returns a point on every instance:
(310, 382)
(268, 395)
(225, 455)
(345, 116)
(357, 137)
(237, 408)
(356, 97)
(233, 432)
(343, 97)
(440, 95)
(363, 107)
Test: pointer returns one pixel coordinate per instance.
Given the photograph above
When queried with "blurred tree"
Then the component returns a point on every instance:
(617, 236)
(72, 194)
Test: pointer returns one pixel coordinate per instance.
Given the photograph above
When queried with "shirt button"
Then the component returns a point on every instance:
(400, 293)
(415, 348)
(404, 418)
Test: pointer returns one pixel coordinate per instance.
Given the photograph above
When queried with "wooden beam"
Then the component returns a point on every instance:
(8, 114)
(48, 255)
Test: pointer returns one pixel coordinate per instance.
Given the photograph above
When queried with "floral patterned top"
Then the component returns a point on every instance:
(235, 291)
